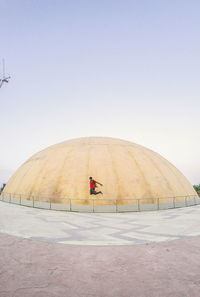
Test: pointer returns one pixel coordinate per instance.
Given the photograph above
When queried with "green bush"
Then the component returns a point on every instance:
(197, 189)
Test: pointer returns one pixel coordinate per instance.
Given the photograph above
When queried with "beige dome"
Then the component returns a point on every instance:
(125, 169)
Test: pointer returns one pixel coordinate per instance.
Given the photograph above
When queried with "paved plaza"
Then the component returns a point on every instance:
(60, 254)
(99, 229)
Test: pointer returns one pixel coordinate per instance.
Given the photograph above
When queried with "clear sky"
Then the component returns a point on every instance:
(124, 69)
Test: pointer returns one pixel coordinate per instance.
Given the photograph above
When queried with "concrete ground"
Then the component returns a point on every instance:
(57, 254)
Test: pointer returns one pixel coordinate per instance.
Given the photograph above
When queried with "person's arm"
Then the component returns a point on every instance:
(99, 183)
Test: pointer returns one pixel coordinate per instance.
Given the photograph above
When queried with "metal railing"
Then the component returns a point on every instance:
(100, 204)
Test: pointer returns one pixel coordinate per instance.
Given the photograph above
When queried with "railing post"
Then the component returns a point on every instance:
(33, 201)
(158, 203)
(93, 204)
(20, 199)
(116, 206)
(186, 201)
(70, 204)
(174, 202)
(138, 204)
(10, 198)
(50, 203)
(195, 200)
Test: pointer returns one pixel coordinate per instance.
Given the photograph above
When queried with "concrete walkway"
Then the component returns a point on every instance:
(99, 229)
(149, 254)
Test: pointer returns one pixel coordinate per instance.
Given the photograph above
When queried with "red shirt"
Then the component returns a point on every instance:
(92, 184)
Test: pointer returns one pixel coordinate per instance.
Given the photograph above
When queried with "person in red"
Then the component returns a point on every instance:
(93, 186)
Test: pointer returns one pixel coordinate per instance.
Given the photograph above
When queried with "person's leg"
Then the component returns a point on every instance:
(96, 193)
(92, 192)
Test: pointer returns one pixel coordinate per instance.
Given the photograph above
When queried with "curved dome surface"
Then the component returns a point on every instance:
(126, 170)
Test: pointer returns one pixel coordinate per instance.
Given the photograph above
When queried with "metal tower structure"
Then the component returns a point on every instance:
(4, 78)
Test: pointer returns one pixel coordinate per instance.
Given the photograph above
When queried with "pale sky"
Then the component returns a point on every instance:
(124, 69)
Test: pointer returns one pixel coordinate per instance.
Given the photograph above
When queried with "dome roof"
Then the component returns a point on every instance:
(126, 170)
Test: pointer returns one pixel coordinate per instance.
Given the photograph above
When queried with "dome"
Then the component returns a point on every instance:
(126, 170)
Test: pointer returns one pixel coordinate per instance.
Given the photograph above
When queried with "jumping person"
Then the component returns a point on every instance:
(93, 186)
